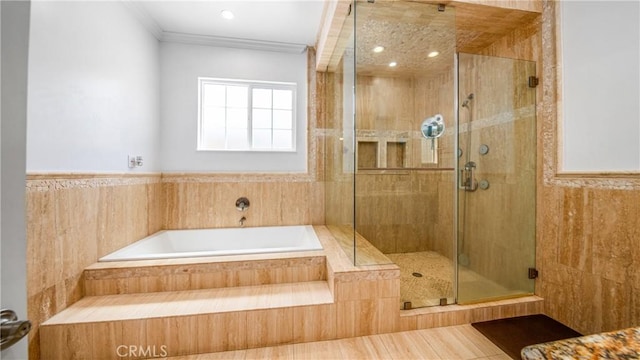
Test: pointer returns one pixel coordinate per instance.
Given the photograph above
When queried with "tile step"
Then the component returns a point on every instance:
(108, 308)
(129, 277)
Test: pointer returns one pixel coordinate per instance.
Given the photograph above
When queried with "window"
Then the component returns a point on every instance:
(246, 115)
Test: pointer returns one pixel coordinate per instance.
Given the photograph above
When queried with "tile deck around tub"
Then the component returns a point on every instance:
(331, 249)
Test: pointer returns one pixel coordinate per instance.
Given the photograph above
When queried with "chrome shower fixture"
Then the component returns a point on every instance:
(242, 204)
(467, 181)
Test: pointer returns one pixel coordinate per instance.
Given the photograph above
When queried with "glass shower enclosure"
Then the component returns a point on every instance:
(402, 190)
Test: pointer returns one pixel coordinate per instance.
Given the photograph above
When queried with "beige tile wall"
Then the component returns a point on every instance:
(588, 229)
(338, 182)
(72, 220)
(405, 210)
(206, 201)
(588, 255)
(588, 235)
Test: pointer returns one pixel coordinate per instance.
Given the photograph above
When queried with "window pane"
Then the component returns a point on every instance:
(262, 139)
(213, 117)
(232, 118)
(283, 99)
(261, 119)
(282, 139)
(237, 139)
(237, 118)
(214, 95)
(282, 119)
(237, 96)
(213, 138)
(262, 98)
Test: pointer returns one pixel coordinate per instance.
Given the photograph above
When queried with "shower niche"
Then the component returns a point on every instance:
(392, 170)
(376, 154)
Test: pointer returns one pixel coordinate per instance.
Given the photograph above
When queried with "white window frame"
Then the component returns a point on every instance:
(251, 84)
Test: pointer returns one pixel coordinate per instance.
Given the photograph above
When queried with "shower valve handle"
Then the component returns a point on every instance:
(467, 181)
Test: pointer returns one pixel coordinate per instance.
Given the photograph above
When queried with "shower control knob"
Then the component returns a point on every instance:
(483, 184)
(484, 149)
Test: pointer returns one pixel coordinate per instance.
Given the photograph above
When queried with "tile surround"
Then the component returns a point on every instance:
(363, 301)
(72, 219)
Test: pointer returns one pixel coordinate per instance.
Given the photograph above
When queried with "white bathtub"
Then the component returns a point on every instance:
(169, 244)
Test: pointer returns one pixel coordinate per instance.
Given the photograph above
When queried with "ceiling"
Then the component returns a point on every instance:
(409, 30)
(290, 21)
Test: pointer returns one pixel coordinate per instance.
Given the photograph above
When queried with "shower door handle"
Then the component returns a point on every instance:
(467, 181)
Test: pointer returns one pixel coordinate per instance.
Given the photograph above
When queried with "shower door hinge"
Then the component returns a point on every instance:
(533, 273)
(533, 81)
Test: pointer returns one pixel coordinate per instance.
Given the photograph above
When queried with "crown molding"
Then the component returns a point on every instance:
(233, 42)
(144, 18)
(139, 12)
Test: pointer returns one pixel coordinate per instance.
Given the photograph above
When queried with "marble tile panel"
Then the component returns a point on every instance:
(269, 327)
(314, 323)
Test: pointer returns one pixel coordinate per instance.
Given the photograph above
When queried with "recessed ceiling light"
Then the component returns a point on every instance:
(433, 54)
(378, 49)
(227, 14)
(393, 64)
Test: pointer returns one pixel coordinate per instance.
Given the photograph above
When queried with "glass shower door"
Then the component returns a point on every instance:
(404, 193)
(496, 177)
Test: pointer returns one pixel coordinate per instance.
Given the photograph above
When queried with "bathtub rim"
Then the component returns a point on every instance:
(243, 256)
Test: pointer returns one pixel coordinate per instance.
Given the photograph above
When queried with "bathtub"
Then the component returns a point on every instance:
(168, 244)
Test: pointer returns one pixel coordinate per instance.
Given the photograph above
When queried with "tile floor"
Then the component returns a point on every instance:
(436, 280)
(461, 342)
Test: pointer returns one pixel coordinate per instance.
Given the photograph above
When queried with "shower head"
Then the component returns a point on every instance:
(465, 103)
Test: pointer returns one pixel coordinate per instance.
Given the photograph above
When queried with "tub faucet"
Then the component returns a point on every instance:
(242, 220)
(242, 204)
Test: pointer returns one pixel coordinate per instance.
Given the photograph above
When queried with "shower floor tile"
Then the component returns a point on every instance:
(427, 276)
(435, 282)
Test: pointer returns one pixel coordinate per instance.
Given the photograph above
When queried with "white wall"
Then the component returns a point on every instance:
(15, 37)
(93, 88)
(182, 64)
(601, 85)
